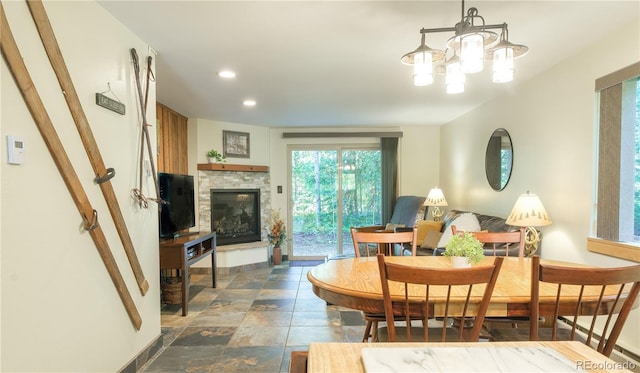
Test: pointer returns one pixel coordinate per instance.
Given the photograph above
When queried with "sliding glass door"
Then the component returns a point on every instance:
(332, 188)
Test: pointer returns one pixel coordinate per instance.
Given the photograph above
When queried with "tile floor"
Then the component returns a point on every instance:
(250, 322)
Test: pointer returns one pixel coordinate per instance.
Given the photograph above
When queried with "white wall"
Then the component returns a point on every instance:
(210, 137)
(551, 122)
(60, 309)
(419, 160)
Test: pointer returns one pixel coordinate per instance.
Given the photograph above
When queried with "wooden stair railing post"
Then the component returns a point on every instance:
(88, 140)
(31, 97)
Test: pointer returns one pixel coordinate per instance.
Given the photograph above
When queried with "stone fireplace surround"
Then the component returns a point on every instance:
(231, 258)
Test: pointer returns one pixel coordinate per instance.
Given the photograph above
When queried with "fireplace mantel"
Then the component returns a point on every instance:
(231, 167)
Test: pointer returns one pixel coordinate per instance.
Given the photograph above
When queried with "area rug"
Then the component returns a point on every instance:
(305, 263)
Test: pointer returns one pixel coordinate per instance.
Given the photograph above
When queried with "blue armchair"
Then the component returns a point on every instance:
(405, 212)
(403, 218)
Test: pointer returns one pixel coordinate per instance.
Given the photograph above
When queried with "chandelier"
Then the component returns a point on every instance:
(465, 53)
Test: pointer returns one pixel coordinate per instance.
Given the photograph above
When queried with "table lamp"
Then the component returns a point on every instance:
(528, 213)
(436, 199)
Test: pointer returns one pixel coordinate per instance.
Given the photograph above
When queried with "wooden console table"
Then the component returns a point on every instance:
(182, 252)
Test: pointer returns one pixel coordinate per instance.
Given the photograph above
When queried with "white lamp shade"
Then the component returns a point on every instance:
(435, 198)
(528, 212)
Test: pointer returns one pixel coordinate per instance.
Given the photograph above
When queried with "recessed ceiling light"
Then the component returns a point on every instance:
(227, 74)
(249, 102)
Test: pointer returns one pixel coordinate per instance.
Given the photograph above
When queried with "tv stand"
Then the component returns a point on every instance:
(183, 251)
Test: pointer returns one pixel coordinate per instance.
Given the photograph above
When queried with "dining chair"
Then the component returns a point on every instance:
(581, 279)
(419, 283)
(385, 242)
(500, 240)
(298, 361)
(608, 315)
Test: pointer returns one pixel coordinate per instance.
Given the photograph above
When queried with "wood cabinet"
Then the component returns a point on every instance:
(181, 252)
(172, 140)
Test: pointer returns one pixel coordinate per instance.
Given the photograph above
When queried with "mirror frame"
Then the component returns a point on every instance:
(494, 167)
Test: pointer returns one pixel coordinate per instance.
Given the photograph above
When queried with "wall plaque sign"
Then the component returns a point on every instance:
(111, 104)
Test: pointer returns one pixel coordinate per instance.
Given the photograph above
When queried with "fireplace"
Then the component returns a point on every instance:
(235, 215)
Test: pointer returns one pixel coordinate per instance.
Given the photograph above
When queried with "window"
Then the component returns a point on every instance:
(333, 188)
(618, 176)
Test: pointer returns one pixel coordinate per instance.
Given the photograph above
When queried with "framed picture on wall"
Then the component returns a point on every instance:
(235, 144)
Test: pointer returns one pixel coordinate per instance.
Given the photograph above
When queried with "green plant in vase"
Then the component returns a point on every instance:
(465, 245)
(215, 156)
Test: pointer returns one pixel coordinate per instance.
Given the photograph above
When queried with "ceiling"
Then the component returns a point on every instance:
(337, 63)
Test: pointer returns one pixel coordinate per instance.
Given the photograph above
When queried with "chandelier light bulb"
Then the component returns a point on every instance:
(472, 53)
(503, 65)
(422, 69)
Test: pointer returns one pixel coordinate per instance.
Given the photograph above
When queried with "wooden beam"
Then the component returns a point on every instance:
(231, 167)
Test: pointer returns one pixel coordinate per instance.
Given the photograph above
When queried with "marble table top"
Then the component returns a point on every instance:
(466, 359)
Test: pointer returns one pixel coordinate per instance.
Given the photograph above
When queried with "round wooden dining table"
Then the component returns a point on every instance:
(355, 283)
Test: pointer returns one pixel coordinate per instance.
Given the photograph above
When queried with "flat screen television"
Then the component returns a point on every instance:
(177, 212)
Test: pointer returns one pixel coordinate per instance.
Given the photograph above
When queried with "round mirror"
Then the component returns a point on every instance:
(498, 160)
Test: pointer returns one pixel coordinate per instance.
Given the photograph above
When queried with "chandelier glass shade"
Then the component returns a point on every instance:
(472, 53)
(454, 78)
(473, 42)
(423, 60)
(503, 65)
(423, 69)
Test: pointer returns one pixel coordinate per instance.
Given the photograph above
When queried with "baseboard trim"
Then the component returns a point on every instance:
(143, 356)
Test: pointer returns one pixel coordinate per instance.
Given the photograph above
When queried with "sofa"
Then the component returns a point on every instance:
(430, 234)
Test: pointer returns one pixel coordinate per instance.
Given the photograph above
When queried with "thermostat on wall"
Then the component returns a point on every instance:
(15, 147)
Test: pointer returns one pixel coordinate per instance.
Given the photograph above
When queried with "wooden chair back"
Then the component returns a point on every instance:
(613, 316)
(384, 240)
(298, 361)
(420, 282)
(497, 239)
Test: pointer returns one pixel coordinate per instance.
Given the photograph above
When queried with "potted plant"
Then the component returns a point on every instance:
(277, 235)
(464, 249)
(215, 156)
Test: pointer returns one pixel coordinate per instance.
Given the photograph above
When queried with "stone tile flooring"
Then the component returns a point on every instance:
(250, 322)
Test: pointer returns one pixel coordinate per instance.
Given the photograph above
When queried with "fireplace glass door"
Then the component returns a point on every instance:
(332, 189)
(235, 215)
